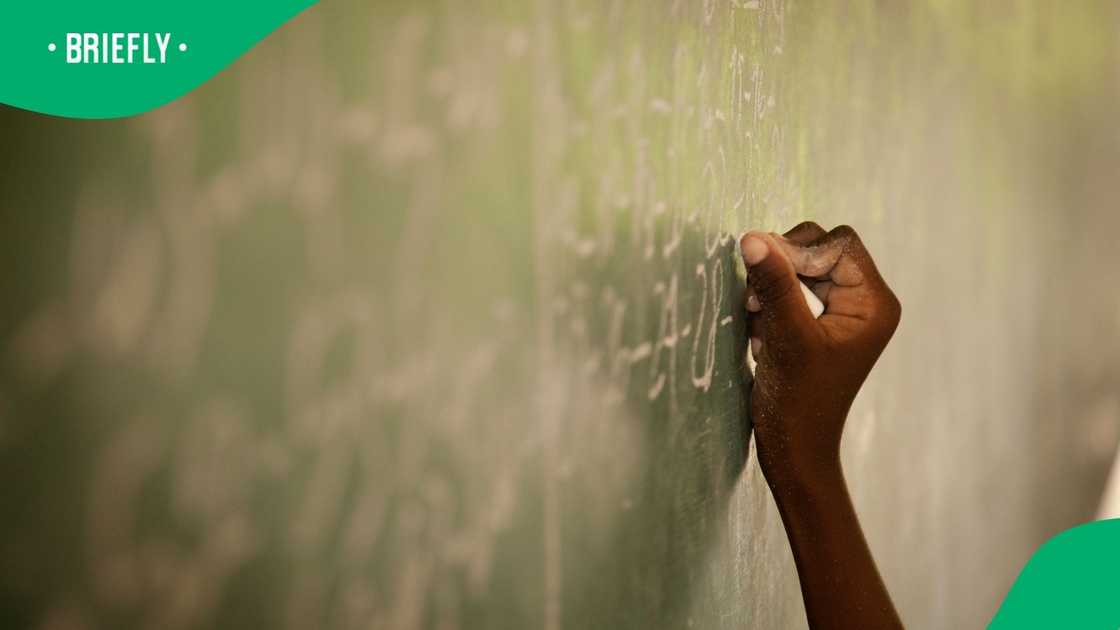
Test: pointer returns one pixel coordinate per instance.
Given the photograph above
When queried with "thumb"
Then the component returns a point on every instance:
(771, 275)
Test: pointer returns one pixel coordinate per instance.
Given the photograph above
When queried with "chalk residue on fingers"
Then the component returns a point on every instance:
(816, 306)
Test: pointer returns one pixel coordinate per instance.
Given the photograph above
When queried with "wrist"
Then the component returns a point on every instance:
(804, 478)
(799, 449)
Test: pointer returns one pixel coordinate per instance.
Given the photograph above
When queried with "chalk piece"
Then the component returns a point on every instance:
(814, 302)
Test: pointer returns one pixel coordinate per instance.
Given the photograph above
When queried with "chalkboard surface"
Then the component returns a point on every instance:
(428, 315)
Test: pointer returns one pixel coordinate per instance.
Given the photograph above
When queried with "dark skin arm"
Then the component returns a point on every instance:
(808, 373)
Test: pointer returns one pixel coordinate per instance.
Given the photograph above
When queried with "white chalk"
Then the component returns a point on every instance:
(816, 307)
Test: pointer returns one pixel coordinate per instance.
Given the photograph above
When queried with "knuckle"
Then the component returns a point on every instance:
(890, 310)
(848, 235)
(809, 226)
(896, 309)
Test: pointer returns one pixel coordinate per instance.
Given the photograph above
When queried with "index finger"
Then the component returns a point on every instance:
(834, 256)
(805, 233)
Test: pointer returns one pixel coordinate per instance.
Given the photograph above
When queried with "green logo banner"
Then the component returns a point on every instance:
(112, 59)
(1070, 582)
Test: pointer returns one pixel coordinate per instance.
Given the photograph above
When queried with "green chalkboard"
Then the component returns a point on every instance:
(428, 315)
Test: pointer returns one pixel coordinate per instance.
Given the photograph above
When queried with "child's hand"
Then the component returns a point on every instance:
(809, 370)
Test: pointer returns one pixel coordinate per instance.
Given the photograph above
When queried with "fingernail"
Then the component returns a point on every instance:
(756, 346)
(753, 305)
(754, 249)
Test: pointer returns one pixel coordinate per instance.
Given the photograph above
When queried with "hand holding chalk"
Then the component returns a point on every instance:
(810, 368)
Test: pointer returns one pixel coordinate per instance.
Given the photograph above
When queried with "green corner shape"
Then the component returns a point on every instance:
(1072, 581)
(46, 71)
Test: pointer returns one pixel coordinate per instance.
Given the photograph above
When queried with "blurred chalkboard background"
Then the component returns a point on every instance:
(427, 315)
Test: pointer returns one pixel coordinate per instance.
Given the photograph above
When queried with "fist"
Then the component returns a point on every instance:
(810, 369)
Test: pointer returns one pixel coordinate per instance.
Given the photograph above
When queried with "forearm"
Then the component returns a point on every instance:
(839, 581)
